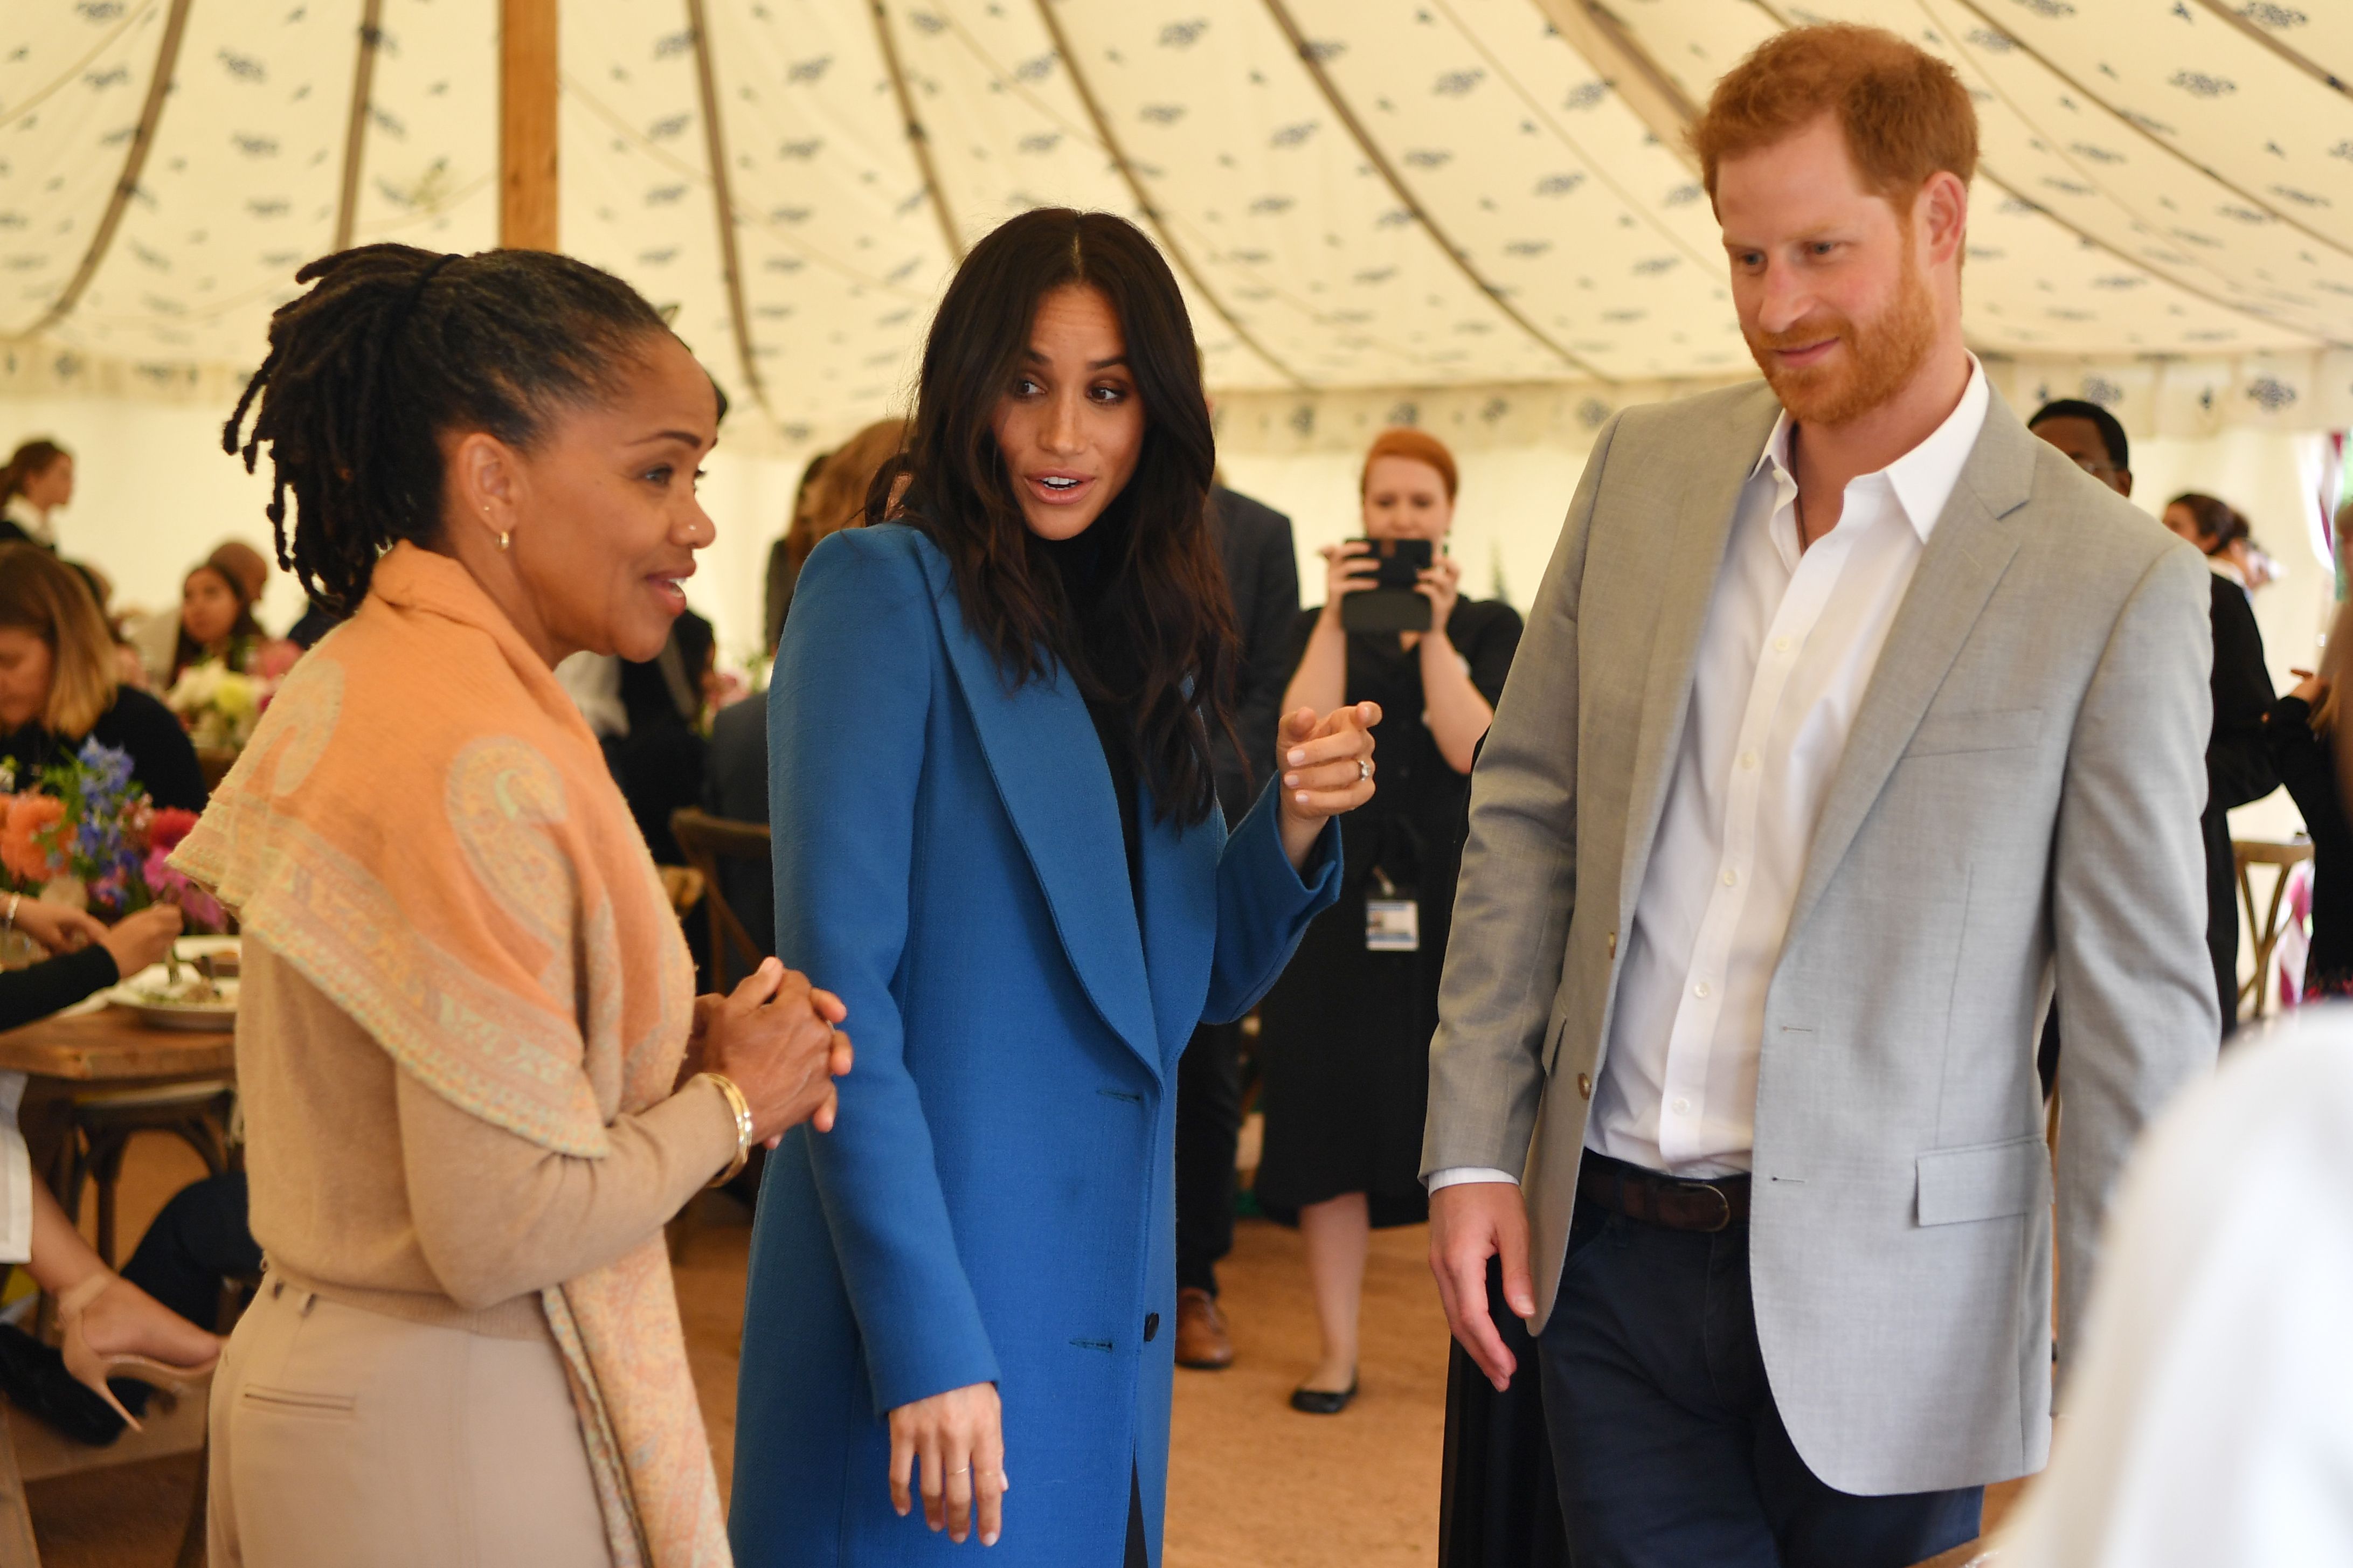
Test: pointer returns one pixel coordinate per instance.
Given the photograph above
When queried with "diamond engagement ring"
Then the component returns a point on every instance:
(1364, 770)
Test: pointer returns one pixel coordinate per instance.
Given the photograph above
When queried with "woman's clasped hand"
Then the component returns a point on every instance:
(775, 1038)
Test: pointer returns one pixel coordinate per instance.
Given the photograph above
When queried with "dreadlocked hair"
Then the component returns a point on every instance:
(393, 347)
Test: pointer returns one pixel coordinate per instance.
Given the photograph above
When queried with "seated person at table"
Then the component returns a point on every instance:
(59, 689)
(110, 1325)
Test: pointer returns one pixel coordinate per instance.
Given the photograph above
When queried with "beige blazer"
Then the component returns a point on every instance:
(2017, 809)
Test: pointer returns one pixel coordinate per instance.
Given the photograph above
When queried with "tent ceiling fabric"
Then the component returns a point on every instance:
(1440, 195)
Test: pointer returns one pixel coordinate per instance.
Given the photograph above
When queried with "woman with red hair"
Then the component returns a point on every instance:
(1346, 1031)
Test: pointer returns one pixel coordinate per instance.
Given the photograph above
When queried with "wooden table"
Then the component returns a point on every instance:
(113, 1049)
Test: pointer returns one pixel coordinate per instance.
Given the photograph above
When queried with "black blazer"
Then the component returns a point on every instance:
(2237, 770)
(1262, 573)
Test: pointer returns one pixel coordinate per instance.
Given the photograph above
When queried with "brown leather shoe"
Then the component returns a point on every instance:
(1201, 1341)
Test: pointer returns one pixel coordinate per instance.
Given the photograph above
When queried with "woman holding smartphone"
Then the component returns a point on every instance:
(1345, 1039)
(996, 838)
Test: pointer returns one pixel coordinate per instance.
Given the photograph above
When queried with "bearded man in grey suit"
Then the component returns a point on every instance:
(1852, 722)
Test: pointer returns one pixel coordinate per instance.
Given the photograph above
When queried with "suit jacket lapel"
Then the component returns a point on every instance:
(1686, 579)
(1964, 559)
(1047, 765)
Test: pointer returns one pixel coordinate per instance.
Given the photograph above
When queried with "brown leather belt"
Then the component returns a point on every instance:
(1668, 1201)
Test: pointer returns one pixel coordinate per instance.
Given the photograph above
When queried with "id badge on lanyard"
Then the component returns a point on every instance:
(1392, 920)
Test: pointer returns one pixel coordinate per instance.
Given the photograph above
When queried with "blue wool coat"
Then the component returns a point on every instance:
(995, 1202)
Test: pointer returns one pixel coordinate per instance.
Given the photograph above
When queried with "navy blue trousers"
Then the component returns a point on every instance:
(1670, 1451)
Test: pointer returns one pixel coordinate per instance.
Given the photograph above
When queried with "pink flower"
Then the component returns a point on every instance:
(169, 824)
(168, 886)
(272, 659)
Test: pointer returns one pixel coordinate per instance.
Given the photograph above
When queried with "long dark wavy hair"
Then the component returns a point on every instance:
(1157, 644)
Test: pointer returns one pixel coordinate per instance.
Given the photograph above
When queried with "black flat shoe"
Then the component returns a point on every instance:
(33, 1378)
(1323, 1401)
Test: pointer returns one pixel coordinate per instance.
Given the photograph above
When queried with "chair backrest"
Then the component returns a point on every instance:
(705, 840)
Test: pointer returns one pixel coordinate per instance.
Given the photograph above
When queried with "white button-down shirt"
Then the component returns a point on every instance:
(1793, 634)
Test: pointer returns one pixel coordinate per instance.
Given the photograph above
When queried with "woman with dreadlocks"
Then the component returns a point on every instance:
(466, 1002)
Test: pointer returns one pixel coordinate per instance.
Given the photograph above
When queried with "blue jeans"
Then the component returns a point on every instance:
(1670, 1451)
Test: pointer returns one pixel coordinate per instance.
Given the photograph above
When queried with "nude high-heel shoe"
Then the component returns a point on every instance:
(91, 1370)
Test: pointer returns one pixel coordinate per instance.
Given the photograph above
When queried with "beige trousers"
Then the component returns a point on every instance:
(343, 1438)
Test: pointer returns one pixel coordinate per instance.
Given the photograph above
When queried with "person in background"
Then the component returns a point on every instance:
(2222, 531)
(735, 777)
(36, 481)
(1345, 1036)
(1852, 718)
(831, 498)
(315, 622)
(998, 836)
(216, 621)
(247, 565)
(475, 1078)
(59, 686)
(2239, 764)
(1261, 572)
(777, 588)
(2302, 731)
(658, 757)
(103, 1324)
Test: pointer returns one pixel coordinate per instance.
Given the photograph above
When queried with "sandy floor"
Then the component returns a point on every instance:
(1252, 1484)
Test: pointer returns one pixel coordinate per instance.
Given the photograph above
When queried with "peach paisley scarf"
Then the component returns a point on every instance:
(424, 828)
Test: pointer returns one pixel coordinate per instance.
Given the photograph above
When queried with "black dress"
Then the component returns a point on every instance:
(2307, 765)
(1345, 1035)
(162, 759)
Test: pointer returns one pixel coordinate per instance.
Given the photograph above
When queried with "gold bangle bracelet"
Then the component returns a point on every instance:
(742, 1109)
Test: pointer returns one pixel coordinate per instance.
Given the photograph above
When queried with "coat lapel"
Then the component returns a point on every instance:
(1048, 769)
(1966, 557)
(1703, 517)
(1180, 883)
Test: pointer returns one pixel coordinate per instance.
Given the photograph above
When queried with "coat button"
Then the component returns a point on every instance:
(1151, 1326)
(1583, 1087)
(1613, 944)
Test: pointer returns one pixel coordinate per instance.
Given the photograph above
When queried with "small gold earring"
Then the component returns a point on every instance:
(504, 537)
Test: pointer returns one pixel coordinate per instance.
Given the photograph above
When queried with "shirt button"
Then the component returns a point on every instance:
(1732, 878)
(1683, 1107)
(1748, 760)
(1700, 989)
(1780, 645)
(1151, 1326)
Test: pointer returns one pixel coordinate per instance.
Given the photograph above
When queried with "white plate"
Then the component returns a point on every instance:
(137, 993)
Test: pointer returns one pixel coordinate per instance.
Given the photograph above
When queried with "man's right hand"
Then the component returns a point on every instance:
(1470, 1222)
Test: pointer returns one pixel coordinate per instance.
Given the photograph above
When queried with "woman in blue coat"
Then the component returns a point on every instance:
(997, 839)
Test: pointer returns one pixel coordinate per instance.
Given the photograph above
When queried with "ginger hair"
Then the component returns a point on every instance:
(1905, 114)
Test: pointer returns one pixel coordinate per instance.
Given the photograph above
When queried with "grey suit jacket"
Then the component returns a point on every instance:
(2017, 808)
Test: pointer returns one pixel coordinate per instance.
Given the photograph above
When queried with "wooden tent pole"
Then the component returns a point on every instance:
(527, 74)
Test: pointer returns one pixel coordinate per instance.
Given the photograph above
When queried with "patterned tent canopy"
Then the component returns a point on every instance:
(1478, 200)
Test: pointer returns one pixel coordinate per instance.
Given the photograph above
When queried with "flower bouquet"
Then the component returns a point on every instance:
(218, 705)
(80, 832)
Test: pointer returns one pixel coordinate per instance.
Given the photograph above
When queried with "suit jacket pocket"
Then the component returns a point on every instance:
(1985, 1181)
(1940, 734)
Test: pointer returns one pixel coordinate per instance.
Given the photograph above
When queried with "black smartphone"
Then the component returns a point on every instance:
(1392, 605)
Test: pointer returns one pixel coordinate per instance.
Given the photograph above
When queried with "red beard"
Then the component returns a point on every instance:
(1881, 356)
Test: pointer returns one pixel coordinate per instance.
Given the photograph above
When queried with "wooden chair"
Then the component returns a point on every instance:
(705, 840)
(2282, 856)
